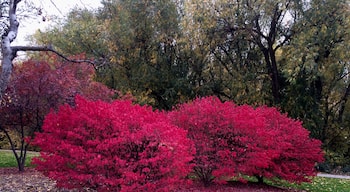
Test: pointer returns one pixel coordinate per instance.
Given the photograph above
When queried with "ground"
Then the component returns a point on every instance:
(29, 181)
(12, 181)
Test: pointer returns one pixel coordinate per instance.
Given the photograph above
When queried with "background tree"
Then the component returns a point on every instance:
(140, 53)
(9, 22)
(244, 39)
(38, 87)
(317, 65)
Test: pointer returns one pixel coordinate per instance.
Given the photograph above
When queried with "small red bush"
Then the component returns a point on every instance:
(113, 147)
(231, 140)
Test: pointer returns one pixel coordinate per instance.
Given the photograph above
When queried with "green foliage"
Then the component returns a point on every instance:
(316, 67)
(135, 46)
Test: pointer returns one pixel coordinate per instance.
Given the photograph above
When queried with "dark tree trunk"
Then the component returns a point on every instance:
(272, 68)
(260, 178)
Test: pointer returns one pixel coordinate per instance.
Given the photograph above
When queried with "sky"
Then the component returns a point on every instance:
(50, 8)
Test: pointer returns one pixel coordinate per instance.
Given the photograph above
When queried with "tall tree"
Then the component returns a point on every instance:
(317, 67)
(250, 33)
(268, 26)
(264, 52)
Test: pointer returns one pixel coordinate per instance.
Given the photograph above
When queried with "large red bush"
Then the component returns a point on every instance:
(113, 147)
(232, 140)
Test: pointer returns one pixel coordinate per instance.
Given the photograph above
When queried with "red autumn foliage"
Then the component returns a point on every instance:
(295, 153)
(233, 140)
(204, 119)
(114, 146)
(38, 86)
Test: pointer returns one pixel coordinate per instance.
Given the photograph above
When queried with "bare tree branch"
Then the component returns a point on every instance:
(15, 49)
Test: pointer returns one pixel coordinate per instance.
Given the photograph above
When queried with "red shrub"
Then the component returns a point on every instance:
(296, 154)
(232, 140)
(113, 147)
(211, 131)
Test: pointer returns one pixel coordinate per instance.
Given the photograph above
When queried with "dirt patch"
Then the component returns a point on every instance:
(11, 180)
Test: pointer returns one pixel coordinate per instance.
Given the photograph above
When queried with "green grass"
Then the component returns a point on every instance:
(318, 184)
(7, 159)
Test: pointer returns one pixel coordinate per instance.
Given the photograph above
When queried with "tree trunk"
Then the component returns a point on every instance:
(260, 178)
(275, 77)
(269, 56)
(7, 53)
(343, 102)
(20, 164)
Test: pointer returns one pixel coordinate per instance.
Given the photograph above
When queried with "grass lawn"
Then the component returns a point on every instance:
(7, 158)
(318, 184)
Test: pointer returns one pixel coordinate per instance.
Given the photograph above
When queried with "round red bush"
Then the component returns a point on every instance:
(113, 147)
(235, 140)
(211, 131)
(294, 154)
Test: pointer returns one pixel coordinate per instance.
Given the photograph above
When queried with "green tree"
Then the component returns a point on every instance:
(155, 68)
(317, 68)
(244, 39)
(137, 44)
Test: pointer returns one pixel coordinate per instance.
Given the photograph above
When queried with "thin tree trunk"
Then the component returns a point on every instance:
(19, 160)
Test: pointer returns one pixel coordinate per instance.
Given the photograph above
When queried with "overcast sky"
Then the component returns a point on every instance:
(58, 8)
